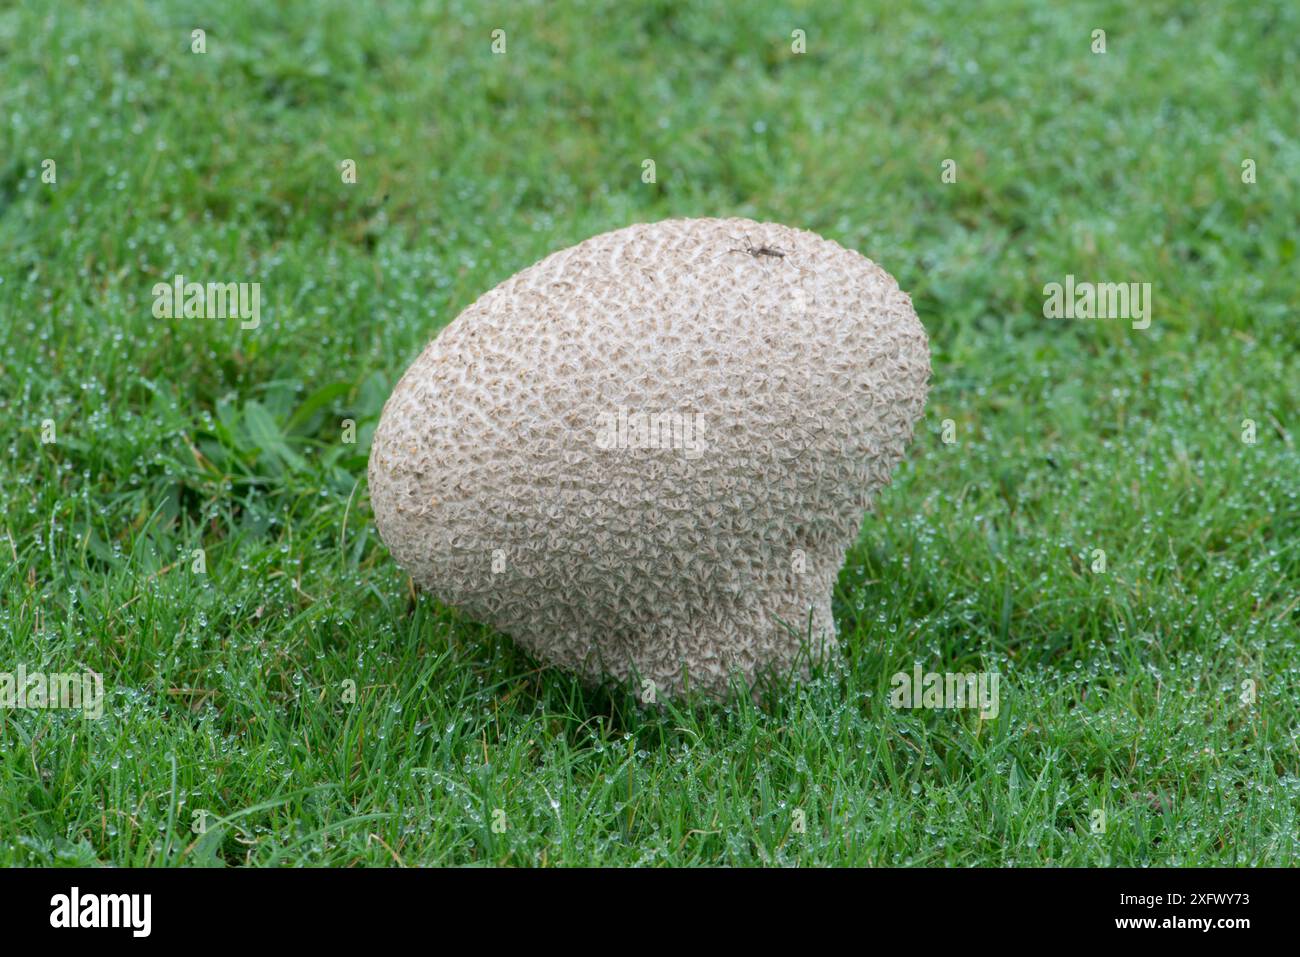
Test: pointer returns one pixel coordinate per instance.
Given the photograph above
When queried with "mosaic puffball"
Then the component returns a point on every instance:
(647, 455)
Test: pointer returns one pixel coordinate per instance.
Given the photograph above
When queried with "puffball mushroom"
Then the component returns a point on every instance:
(647, 455)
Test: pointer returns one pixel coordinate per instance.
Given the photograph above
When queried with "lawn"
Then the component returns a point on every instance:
(1106, 516)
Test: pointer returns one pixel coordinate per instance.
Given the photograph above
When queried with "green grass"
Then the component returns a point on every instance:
(1121, 690)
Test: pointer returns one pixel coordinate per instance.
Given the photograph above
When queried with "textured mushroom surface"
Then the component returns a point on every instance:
(648, 454)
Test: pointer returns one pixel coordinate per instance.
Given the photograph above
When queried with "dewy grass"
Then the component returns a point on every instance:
(1104, 516)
